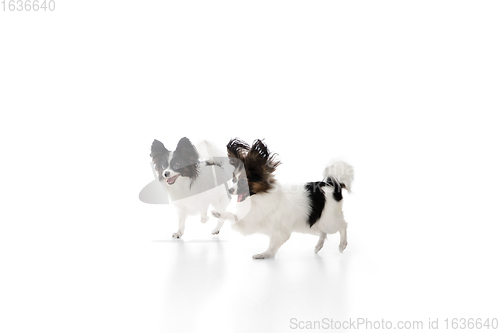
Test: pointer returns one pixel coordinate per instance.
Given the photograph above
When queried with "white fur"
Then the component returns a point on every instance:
(194, 197)
(285, 209)
(344, 173)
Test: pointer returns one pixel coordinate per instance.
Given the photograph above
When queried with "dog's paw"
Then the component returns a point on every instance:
(318, 247)
(216, 214)
(215, 232)
(176, 235)
(204, 219)
(342, 247)
(261, 256)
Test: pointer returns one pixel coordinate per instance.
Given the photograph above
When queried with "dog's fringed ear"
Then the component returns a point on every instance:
(236, 151)
(157, 148)
(237, 148)
(260, 159)
(188, 151)
(159, 154)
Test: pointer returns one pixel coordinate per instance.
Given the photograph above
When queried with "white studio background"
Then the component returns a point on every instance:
(405, 91)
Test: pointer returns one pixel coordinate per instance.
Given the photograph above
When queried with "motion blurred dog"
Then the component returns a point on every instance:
(192, 185)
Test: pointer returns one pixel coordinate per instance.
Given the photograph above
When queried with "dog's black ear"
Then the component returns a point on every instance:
(157, 148)
(188, 151)
(189, 158)
(236, 151)
(237, 148)
(160, 155)
(261, 160)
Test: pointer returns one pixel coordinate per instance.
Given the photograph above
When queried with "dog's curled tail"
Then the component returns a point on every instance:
(341, 172)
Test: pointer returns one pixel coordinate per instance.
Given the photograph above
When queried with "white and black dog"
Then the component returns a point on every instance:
(192, 185)
(276, 210)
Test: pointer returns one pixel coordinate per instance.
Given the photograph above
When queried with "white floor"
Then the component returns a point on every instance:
(212, 282)
(128, 275)
(145, 281)
(107, 263)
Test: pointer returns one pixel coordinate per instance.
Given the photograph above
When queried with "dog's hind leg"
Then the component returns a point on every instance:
(321, 241)
(203, 214)
(275, 243)
(204, 217)
(343, 239)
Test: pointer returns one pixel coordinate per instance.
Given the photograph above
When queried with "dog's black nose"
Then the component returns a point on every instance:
(166, 174)
(231, 190)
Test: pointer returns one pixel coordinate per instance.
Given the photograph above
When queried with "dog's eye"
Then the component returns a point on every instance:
(176, 166)
(234, 179)
(243, 181)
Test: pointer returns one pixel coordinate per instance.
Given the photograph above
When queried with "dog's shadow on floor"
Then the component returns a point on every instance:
(181, 241)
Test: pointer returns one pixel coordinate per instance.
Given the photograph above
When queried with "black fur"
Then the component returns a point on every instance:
(337, 188)
(317, 198)
(258, 161)
(316, 201)
(213, 163)
(237, 150)
(160, 156)
(186, 159)
(337, 191)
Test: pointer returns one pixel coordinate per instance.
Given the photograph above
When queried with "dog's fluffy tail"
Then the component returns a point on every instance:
(341, 172)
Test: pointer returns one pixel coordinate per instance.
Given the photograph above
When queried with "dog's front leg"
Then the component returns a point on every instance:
(225, 216)
(216, 230)
(275, 243)
(182, 225)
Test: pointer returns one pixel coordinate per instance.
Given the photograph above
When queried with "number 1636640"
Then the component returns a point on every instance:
(28, 5)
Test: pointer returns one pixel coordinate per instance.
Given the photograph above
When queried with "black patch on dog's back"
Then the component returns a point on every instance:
(337, 188)
(337, 192)
(316, 201)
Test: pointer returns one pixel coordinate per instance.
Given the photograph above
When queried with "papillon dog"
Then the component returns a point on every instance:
(192, 185)
(276, 210)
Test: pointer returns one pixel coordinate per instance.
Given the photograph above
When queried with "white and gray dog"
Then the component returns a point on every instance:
(192, 185)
